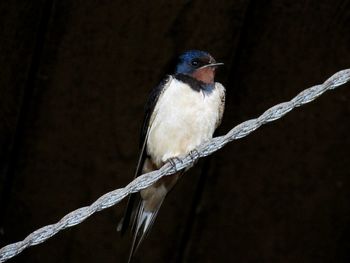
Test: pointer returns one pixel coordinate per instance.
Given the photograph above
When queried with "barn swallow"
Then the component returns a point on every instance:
(182, 112)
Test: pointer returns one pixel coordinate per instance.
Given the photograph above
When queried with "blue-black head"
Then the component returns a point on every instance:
(193, 60)
(198, 64)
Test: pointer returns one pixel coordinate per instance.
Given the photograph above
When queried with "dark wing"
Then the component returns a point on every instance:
(150, 105)
(149, 109)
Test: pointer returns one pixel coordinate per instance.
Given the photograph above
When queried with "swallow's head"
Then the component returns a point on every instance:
(198, 64)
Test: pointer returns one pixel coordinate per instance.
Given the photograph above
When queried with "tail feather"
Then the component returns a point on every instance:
(143, 215)
(125, 221)
(143, 222)
(128, 214)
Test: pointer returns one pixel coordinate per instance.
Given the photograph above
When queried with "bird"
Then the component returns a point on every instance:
(181, 113)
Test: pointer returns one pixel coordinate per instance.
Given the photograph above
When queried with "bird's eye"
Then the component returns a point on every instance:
(194, 63)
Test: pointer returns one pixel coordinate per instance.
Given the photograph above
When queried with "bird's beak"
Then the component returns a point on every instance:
(212, 65)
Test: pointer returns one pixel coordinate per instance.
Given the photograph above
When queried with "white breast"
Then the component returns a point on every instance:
(182, 119)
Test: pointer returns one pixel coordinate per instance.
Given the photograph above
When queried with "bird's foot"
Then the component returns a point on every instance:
(194, 154)
(173, 162)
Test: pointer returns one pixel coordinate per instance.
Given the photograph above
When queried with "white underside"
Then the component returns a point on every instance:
(182, 119)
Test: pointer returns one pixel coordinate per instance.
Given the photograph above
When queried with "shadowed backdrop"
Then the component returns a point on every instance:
(73, 82)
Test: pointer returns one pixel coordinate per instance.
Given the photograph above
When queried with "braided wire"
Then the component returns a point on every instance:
(109, 199)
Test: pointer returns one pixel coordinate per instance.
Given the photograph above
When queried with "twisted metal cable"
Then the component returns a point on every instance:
(145, 180)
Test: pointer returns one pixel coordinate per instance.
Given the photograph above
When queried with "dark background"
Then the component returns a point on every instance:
(74, 78)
